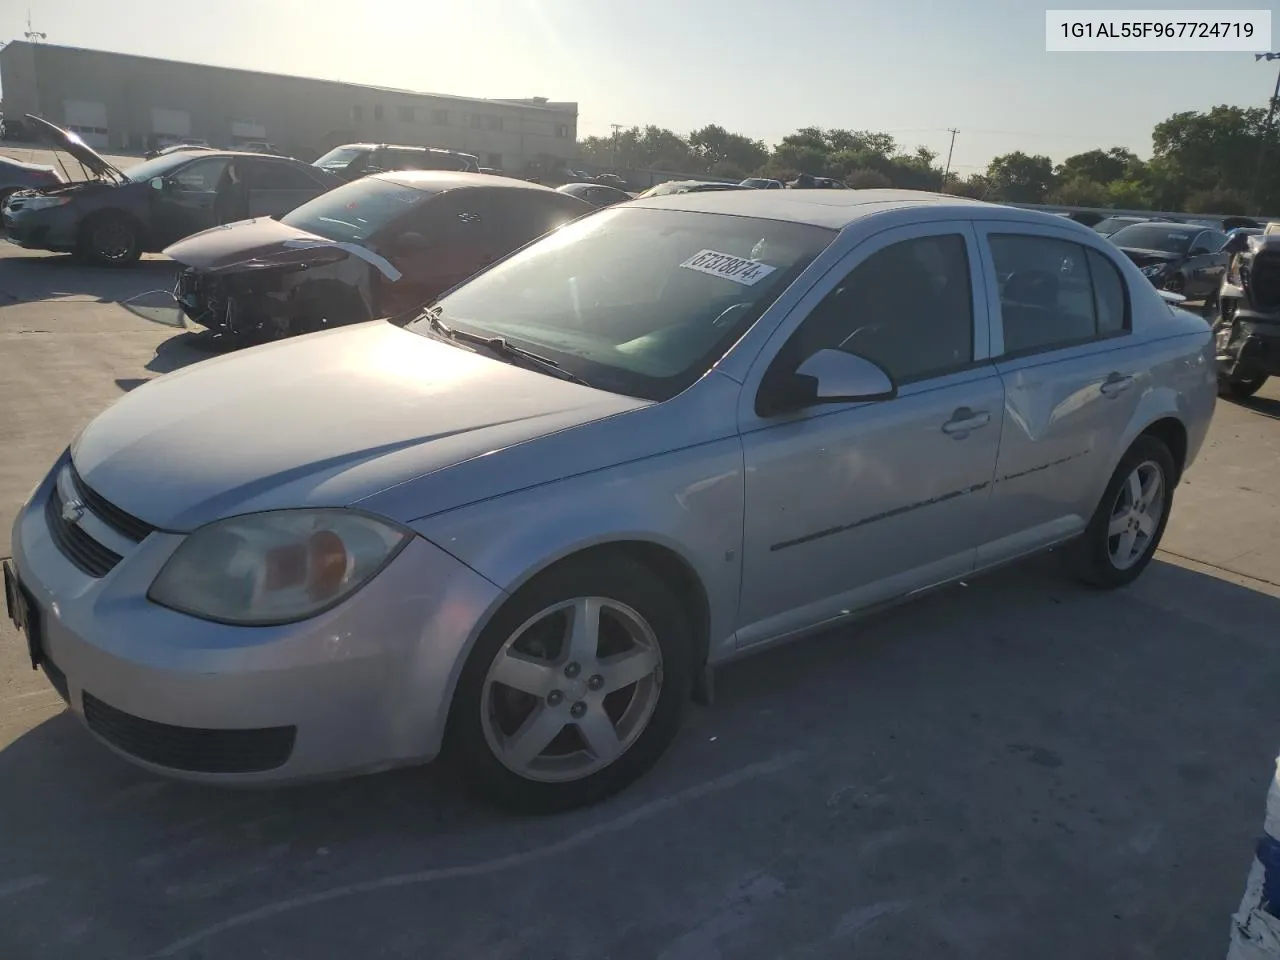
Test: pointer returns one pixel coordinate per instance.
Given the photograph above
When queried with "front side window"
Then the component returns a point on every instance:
(355, 211)
(1048, 297)
(640, 302)
(908, 308)
(203, 176)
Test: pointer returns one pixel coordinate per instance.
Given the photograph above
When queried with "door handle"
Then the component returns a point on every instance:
(964, 420)
(1115, 385)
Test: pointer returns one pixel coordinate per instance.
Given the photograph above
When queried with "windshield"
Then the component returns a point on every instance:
(639, 302)
(339, 157)
(160, 166)
(1154, 236)
(354, 212)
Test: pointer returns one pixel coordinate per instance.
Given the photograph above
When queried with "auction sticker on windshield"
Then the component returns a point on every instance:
(728, 267)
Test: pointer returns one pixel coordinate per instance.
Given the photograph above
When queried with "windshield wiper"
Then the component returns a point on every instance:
(500, 346)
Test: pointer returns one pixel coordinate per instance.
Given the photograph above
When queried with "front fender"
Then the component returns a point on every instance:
(689, 501)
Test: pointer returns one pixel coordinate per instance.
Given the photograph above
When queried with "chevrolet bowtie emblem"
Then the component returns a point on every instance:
(72, 511)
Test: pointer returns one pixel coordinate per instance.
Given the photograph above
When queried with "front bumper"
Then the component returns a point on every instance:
(54, 228)
(362, 687)
(1254, 345)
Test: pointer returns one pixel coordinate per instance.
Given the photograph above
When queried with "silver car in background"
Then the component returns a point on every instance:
(524, 528)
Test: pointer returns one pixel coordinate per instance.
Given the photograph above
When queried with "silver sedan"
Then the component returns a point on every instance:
(525, 528)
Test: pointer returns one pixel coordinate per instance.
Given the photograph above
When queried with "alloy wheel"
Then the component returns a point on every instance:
(571, 689)
(1135, 516)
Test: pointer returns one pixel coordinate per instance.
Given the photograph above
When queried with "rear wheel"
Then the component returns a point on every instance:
(1127, 525)
(111, 239)
(575, 689)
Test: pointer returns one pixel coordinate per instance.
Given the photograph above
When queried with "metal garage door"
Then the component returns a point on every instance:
(170, 123)
(88, 119)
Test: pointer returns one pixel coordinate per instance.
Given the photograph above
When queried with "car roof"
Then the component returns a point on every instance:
(437, 180)
(834, 209)
(1172, 225)
(404, 146)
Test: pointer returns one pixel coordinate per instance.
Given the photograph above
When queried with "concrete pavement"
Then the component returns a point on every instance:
(1019, 767)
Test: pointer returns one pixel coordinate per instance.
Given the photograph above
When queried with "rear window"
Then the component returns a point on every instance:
(354, 212)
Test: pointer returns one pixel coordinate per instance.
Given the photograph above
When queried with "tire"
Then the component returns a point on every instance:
(4, 195)
(1095, 561)
(111, 240)
(487, 717)
(1240, 388)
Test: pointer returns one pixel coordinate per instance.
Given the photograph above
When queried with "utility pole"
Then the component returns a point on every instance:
(1266, 134)
(616, 128)
(32, 34)
(947, 172)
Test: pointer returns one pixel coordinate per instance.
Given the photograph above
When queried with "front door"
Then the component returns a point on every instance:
(1072, 382)
(1206, 264)
(188, 202)
(849, 505)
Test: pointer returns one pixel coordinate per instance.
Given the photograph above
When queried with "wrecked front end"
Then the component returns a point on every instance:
(271, 297)
(1248, 325)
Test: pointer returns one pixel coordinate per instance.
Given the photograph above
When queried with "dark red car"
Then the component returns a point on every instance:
(381, 246)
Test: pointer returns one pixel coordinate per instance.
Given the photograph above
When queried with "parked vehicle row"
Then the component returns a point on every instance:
(525, 527)
(117, 215)
(351, 161)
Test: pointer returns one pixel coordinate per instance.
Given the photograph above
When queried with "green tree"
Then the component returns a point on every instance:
(1100, 166)
(1019, 178)
(1080, 191)
(713, 146)
(867, 179)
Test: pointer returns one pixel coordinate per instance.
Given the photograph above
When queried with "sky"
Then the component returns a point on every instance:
(913, 68)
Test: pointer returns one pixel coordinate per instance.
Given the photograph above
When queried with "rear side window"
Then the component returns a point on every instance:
(1054, 293)
(279, 176)
(1110, 298)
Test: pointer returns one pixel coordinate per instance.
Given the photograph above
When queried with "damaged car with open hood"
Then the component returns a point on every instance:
(114, 216)
(378, 247)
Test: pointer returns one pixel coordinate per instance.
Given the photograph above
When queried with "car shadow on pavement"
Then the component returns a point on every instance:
(173, 354)
(56, 276)
(1040, 769)
(1267, 406)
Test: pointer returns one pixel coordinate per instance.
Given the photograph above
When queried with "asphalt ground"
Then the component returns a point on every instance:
(1017, 767)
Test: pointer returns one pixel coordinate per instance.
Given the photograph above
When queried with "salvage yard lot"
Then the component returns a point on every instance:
(1017, 767)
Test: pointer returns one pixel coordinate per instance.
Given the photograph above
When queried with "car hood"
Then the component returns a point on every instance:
(69, 142)
(30, 167)
(264, 242)
(1144, 258)
(321, 420)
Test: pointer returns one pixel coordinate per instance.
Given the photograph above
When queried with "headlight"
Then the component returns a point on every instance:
(277, 567)
(42, 203)
(1154, 270)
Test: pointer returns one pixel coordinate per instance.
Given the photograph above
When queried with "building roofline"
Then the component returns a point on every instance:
(550, 106)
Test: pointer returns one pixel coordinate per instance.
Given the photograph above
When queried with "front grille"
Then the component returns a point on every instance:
(123, 523)
(190, 748)
(1264, 281)
(77, 546)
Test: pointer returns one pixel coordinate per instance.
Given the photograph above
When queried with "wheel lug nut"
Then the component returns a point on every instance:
(577, 710)
(554, 698)
(595, 682)
(572, 670)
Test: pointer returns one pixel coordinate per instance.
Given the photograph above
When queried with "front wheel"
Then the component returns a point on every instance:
(1127, 525)
(575, 689)
(111, 240)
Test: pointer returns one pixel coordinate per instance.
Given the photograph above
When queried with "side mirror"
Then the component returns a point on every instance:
(829, 376)
(159, 183)
(411, 241)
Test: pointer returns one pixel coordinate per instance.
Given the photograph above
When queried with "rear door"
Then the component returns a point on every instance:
(275, 187)
(1072, 380)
